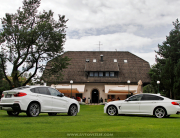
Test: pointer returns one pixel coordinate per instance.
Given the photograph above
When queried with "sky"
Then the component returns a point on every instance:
(137, 26)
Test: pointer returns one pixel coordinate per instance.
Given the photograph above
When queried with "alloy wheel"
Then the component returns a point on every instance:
(33, 110)
(72, 110)
(112, 110)
(160, 112)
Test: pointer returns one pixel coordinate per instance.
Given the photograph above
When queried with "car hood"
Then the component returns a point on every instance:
(70, 99)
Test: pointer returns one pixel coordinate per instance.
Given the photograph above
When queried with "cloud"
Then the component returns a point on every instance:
(119, 41)
(149, 57)
(85, 14)
(126, 25)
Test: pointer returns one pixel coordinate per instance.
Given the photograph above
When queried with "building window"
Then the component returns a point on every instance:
(96, 74)
(107, 74)
(87, 60)
(100, 74)
(125, 61)
(111, 74)
(115, 60)
(94, 60)
(91, 74)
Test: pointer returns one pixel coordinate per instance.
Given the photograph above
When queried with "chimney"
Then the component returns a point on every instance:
(101, 57)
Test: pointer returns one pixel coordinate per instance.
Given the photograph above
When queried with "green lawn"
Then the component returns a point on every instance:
(90, 122)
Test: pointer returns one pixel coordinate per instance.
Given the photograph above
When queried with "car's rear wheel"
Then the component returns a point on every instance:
(33, 110)
(73, 110)
(160, 112)
(52, 114)
(12, 113)
(112, 110)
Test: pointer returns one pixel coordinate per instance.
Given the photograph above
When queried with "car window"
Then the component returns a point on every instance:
(34, 90)
(43, 90)
(54, 92)
(135, 98)
(147, 97)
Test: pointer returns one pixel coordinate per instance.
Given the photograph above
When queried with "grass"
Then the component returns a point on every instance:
(90, 122)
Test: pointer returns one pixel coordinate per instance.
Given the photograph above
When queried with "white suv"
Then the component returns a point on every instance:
(36, 99)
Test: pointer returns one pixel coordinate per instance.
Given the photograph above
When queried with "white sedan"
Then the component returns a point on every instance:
(37, 99)
(149, 104)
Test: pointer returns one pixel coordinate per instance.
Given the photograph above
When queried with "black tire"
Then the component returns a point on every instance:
(73, 110)
(33, 110)
(112, 110)
(12, 113)
(52, 114)
(160, 112)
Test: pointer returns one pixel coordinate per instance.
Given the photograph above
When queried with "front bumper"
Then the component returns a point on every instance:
(10, 107)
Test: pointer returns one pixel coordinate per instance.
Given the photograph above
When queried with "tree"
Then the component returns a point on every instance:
(167, 67)
(29, 39)
(149, 89)
(176, 86)
(1, 78)
(3, 83)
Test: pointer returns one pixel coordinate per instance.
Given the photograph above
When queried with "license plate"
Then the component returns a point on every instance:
(8, 95)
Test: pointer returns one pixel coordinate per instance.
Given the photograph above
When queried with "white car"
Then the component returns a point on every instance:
(37, 99)
(149, 104)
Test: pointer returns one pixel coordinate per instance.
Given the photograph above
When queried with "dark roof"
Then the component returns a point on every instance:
(106, 65)
(134, 70)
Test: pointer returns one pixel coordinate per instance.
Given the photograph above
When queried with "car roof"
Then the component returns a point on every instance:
(26, 87)
(158, 94)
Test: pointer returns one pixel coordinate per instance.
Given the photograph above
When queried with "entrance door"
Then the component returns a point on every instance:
(95, 96)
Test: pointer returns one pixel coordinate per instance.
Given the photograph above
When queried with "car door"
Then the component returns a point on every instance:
(45, 99)
(131, 105)
(148, 103)
(59, 104)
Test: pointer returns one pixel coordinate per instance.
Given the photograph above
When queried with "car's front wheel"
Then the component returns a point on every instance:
(73, 110)
(160, 112)
(12, 113)
(33, 110)
(112, 110)
(52, 114)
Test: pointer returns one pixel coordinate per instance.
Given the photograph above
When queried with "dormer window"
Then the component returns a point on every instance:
(91, 74)
(96, 74)
(125, 61)
(115, 60)
(94, 60)
(107, 74)
(87, 60)
(111, 74)
(103, 74)
(100, 74)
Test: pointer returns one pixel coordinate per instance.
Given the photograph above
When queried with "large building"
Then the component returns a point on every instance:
(103, 75)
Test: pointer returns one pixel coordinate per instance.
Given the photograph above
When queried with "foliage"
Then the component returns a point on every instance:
(166, 68)
(29, 39)
(149, 89)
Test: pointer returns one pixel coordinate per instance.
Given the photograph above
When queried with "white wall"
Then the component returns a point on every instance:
(90, 86)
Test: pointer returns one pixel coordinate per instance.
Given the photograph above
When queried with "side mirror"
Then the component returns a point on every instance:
(61, 95)
(127, 100)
